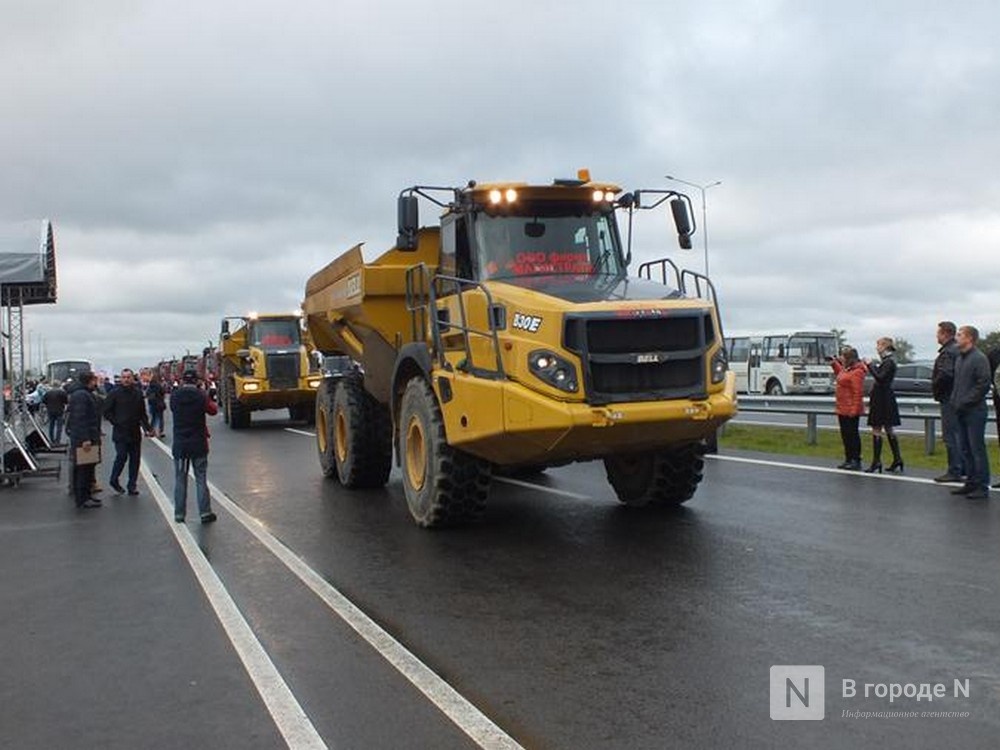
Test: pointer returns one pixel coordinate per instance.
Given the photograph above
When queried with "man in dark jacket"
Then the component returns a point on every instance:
(189, 404)
(942, 381)
(125, 408)
(85, 435)
(55, 400)
(968, 398)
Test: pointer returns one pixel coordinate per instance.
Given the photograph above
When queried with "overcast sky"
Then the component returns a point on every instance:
(204, 158)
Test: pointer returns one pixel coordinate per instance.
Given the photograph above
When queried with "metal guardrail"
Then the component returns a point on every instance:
(811, 407)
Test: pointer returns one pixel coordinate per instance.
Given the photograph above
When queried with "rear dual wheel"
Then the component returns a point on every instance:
(353, 434)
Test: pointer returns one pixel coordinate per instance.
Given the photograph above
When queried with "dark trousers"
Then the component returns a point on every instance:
(126, 451)
(83, 480)
(972, 433)
(952, 440)
(850, 436)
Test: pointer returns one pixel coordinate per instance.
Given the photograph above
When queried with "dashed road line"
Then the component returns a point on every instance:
(285, 710)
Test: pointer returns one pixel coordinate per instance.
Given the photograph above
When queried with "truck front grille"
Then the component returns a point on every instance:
(641, 358)
(283, 371)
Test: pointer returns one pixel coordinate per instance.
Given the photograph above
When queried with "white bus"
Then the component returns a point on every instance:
(61, 370)
(778, 363)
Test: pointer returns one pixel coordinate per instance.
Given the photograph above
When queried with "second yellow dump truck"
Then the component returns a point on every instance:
(512, 336)
(264, 363)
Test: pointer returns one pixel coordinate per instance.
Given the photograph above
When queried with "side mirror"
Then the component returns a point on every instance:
(243, 353)
(408, 221)
(225, 326)
(678, 207)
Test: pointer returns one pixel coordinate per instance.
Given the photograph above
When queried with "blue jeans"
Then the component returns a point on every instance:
(55, 428)
(972, 432)
(156, 419)
(130, 451)
(952, 440)
(181, 467)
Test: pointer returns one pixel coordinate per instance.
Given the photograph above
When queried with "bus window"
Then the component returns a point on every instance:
(739, 350)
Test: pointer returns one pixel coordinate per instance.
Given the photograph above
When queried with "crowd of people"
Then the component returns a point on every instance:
(963, 377)
(135, 409)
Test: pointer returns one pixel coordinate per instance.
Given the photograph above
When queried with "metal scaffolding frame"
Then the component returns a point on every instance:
(27, 277)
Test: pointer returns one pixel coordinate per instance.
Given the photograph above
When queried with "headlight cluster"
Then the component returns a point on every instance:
(603, 195)
(719, 366)
(498, 196)
(554, 370)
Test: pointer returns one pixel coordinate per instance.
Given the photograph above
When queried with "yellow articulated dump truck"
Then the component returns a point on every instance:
(265, 363)
(512, 336)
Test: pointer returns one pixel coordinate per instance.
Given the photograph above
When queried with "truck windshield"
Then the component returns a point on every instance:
(275, 334)
(810, 350)
(540, 244)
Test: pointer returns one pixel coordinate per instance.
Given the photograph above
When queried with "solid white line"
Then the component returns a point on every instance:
(463, 713)
(300, 432)
(821, 469)
(542, 488)
(286, 711)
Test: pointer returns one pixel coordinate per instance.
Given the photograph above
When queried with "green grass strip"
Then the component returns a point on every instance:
(791, 441)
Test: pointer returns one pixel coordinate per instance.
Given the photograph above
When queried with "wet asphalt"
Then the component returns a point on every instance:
(568, 620)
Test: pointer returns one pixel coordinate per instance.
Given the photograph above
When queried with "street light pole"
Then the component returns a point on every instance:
(704, 210)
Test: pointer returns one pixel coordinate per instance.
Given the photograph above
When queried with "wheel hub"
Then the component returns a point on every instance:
(416, 454)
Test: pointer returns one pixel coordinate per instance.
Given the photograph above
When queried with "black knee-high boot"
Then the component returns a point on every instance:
(897, 458)
(876, 464)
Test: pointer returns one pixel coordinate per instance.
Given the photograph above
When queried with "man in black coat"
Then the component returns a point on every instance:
(189, 404)
(125, 408)
(85, 434)
(942, 382)
(968, 397)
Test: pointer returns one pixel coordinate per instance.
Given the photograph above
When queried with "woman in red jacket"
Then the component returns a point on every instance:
(849, 373)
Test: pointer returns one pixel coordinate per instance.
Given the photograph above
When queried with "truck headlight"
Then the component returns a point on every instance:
(719, 366)
(554, 370)
(251, 387)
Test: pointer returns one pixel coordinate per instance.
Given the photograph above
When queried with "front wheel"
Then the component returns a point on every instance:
(443, 485)
(664, 477)
(774, 388)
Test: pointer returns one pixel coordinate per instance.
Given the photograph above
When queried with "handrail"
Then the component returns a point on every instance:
(423, 299)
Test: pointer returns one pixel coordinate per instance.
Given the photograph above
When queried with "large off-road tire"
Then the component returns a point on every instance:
(239, 415)
(359, 431)
(443, 485)
(665, 477)
(324, 428)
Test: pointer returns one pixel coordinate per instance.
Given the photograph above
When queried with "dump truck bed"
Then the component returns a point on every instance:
(359, 309)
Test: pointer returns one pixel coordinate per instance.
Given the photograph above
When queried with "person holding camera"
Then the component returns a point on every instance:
(849, 378)
(883, 411)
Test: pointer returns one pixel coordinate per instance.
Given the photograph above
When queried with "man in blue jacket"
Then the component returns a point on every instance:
(85, 434)
(189, 404)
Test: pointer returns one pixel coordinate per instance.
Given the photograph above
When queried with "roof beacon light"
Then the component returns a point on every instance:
(583, 174)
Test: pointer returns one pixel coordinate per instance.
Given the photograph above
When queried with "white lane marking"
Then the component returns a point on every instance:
(460, 710)
(823, 469)
(542, 488)
(506, 480)
(285, 710)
